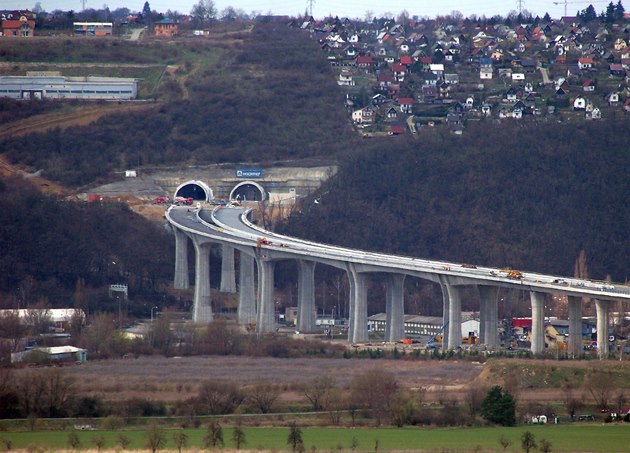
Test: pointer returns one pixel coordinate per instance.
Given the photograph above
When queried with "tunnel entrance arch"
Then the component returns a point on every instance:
(197, 190)
(248, 191)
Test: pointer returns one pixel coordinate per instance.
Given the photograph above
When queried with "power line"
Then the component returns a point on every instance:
(310, 7)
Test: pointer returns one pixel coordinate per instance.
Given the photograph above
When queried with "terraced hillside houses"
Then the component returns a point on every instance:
(402, 76)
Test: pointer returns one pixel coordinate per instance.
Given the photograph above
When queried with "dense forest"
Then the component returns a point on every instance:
(273, 98)
(59, 253)
(524, 196)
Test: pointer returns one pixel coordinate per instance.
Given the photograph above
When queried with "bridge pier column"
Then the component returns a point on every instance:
(395, 308)
(538, 322)
(202, 307)
(265, 321)
(575, 326)
(228, 275)
(306, 296)
(454, 316)
(488, 312)
(446, 314)
(359, 308)
(601, 309)
(181, 260)
(246, 290)
(351, 295)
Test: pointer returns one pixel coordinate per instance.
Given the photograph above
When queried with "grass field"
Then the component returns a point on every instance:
(563, 438)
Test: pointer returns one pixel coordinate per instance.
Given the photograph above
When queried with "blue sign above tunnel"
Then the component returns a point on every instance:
(249, 173)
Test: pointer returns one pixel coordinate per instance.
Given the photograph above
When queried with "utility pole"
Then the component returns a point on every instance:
(519, 6)
(83, 4)
(310, 7)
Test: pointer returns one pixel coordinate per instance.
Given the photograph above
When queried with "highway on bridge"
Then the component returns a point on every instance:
(230, 225)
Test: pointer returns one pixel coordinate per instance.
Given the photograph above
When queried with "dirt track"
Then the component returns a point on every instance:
(80, 117)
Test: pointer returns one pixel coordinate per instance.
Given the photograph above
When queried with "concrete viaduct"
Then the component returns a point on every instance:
(229, 227)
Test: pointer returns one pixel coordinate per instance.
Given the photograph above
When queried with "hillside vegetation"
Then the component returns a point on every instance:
(271, 97)
(57, 252)
(524, 195)
(528, 197)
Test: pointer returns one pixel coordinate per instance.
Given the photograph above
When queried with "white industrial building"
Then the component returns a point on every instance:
(65, 87)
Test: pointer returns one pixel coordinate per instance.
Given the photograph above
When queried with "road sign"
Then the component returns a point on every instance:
(249, 173)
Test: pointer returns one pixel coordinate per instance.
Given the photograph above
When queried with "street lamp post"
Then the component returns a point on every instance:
(152, 308)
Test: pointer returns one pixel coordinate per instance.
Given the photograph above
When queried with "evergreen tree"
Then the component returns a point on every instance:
(499, 407)
(610, 13)
(619, 11)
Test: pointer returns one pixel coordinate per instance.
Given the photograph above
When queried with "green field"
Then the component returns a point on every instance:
(564, 438)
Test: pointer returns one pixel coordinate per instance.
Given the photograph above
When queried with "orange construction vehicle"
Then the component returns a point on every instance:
(262, 241)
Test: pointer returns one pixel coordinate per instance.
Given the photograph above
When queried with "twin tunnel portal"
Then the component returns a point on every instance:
(200, 191)
(260, 250)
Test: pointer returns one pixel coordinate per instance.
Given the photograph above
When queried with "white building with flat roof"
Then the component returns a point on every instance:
(65, 87)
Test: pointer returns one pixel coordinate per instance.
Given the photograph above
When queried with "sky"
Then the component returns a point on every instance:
(324, 8)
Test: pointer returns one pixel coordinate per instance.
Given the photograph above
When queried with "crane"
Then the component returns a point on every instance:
(566, 2)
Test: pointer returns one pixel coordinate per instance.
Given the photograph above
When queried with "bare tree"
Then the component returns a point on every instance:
(475, 395)
(374, 390)
(123, 441)
(263, 396)
(218, 398)
(203, 12)
(59, 391)
(295, 439)
(600, 384)
(12, 329)
(99, 442)
(181, 439)
(73, 441)
(156, 439)
(318, 391)
(214, 435)
(528, 441)
(238, 435)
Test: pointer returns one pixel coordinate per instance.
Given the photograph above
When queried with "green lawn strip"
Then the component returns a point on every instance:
(564, 438)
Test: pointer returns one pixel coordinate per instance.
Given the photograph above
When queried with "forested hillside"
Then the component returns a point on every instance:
(271, 97)
(529, 197)
(59, 252)
(524, 195)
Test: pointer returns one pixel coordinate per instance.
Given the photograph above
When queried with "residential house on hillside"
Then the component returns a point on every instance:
(17, 23)
(166, 28)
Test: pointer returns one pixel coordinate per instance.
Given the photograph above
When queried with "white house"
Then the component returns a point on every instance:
(579, 103)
